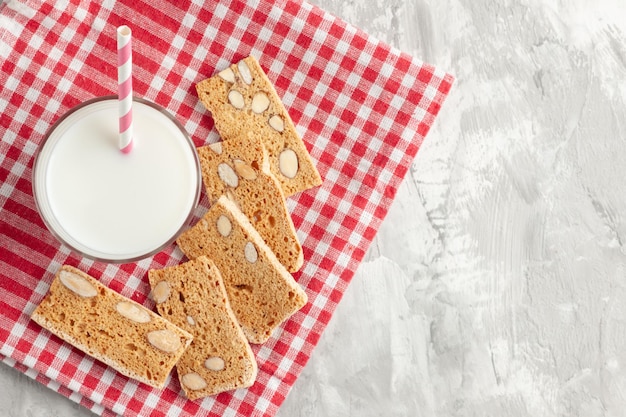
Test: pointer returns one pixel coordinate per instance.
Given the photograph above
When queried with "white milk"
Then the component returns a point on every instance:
(110, 205)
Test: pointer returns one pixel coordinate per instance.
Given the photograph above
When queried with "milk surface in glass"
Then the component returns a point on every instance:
(110, 205)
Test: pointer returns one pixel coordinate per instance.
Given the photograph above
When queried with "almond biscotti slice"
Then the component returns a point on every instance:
(256, 192)
(121, 333)
(242, 101)
(262, 293)
(192, 296)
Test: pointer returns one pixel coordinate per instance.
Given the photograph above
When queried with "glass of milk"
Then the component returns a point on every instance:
(113, 206)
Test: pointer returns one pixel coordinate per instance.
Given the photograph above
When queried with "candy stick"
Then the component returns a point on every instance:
(125, 88)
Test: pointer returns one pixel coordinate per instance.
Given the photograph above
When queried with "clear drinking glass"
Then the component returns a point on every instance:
(111, 206)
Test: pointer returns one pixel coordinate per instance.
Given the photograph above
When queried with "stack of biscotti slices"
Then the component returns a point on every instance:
(244, 103)
(196, 332)
(261, 160)
(228, 172)
(247, 234)
(262, 293)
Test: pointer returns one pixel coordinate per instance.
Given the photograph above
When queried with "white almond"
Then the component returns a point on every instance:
(194, 381)
(227, 75)
(191, 321)
(244, 71)
(244, 170)
(165, 340)
(276, 122)
(250, 252)
(216, 147)
(161, 292)
(236, 99)
(227, 175)
(224, 226)
(214, 363)
(288, 163)
(132, 312)
(260, 102)
(77, 284)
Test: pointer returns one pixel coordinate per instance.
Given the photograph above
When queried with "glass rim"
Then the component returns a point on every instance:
(130, 259)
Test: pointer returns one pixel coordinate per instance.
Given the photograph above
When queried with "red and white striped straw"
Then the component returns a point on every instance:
(125, 87)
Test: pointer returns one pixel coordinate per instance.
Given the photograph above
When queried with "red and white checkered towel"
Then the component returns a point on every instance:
(362, 107)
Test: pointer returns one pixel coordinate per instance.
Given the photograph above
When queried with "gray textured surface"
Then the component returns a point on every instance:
(21, 396)
(496, 285)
